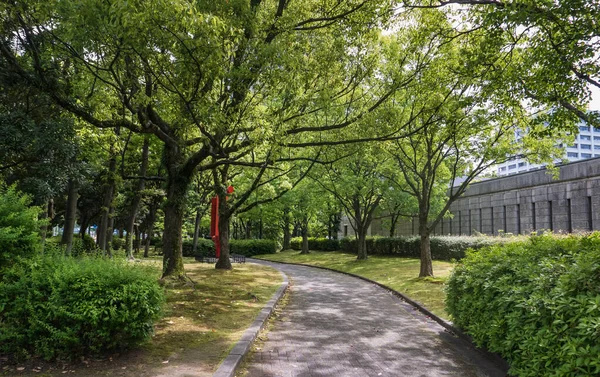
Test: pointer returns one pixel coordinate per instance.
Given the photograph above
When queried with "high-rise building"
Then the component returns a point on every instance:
(586, 145)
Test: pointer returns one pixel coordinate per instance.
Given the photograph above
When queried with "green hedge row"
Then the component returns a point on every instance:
(536, 302)
(57, 307)
(206, 248)
(320, 244)
(442, 248)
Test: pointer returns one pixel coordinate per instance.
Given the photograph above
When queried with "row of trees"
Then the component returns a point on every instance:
(140, 109)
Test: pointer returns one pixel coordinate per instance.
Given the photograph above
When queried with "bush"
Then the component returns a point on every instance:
(80, 247)
(537, 303)
(19, 226)
(56, 307)
(205, 248)
(253, 247)
(319, 244)
(442, 248)
(118, 243)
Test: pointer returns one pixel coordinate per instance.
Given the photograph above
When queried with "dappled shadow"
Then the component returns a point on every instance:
(336, 325)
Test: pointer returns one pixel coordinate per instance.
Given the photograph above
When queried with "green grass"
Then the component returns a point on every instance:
(400, 274)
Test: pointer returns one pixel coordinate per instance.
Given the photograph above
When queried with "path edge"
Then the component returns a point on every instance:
(229, 366)
(444, 323)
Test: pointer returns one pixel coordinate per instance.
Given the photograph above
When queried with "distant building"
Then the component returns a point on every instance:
(586, 145)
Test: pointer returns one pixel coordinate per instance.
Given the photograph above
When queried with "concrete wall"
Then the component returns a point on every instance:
(523, 203)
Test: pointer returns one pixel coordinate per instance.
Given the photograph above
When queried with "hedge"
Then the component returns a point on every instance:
(442, 248)
(535, 302)
(320, 244)
(206, 248)
(57, 307)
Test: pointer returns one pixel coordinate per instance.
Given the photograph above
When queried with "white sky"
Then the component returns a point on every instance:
(595, 102)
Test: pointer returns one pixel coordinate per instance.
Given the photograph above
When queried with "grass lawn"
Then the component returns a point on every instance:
(201, 323)
(400, 274)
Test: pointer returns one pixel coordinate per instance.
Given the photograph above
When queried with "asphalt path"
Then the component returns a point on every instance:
(338, 325)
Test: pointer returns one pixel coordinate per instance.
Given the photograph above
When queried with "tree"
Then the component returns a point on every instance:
(458, 134)
(544, 50)
(195, 74)
(357, 182)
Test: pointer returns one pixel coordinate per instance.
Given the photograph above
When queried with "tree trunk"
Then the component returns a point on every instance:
(83, 227)
(109, 191)
(304, 230)
(70, 215)
(136, 243)
(361, 243)
(150, 230)
(47, 216)
(172, 235)
(137, 198)
(394, 221)
(196, 230)
(286, 230)
(224, 263)
(426, 263)
(110, 230)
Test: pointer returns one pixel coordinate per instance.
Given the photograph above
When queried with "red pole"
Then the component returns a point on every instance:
(214, 224)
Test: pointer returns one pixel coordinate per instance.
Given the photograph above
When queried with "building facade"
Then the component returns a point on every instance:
(586, 145)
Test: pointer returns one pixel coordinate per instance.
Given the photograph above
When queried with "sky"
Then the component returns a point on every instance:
(595, 103)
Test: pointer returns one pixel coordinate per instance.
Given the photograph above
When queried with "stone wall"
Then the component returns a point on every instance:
(522, 203)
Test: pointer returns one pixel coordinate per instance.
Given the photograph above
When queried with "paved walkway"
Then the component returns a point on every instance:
(338, 325)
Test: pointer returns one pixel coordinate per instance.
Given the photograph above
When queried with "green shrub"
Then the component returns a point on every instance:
(57, 307)
(319, 244)
(442, 248)
(19, 226)
(537, 303)
(80, 247)
(253, 247)
(118, 243)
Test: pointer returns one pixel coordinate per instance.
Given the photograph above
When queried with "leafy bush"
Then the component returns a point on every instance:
(118, 243)
(205, 248)
(80, 247)
(19, 226)
(537, 303)
(320, 244)
(253, 247)
(442, 248)
(56, 307)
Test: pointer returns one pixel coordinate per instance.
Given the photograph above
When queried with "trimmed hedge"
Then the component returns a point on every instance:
(536, 303)
(442, 248)
(253, 247)
(206, 248)
(57, 307)
(320, 244)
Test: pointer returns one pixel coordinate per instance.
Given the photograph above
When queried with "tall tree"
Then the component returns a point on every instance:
(196, 75)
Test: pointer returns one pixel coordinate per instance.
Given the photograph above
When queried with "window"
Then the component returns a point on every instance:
(597, 155)
(513, 166)
(521, 164)
(584, 128)
(503, 168)
(345, 230)
(596, 147)
(572, 154)
(585, 146)
(596, 138)
(573, 146)
(585, 137)
(596, 129)
(586, 155)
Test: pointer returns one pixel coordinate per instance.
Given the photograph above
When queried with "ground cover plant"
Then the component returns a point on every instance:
(537, 303)
(399, 274)
(202, 320)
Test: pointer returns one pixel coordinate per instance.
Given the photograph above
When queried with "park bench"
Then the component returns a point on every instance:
(234, 258)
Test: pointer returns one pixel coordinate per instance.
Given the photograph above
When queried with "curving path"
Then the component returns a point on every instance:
(338, 325)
